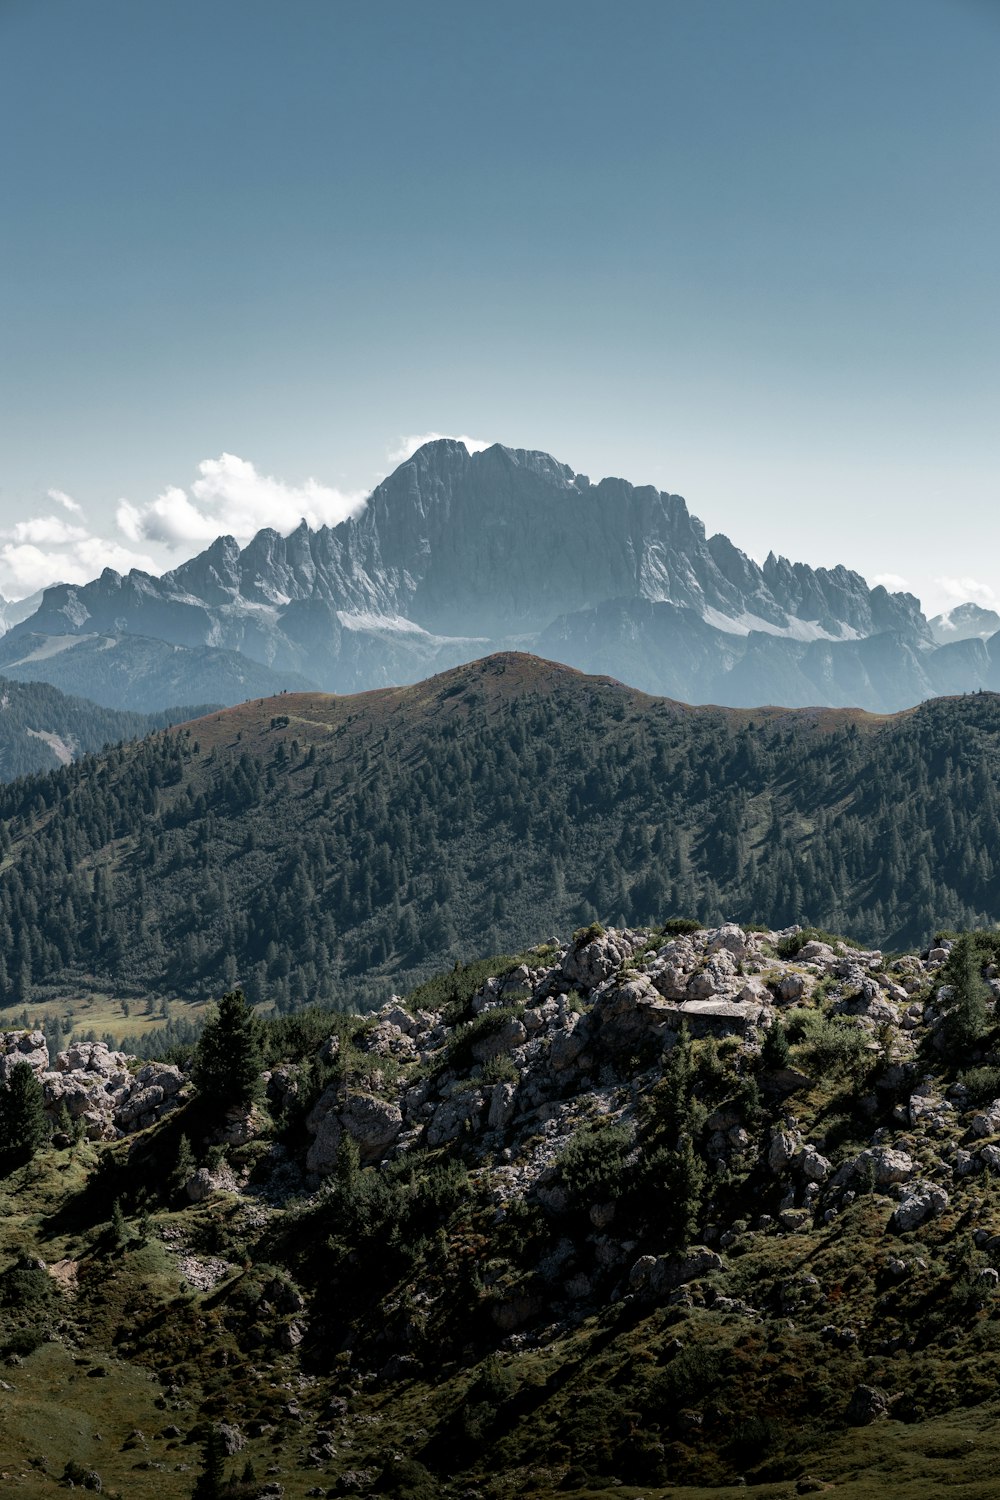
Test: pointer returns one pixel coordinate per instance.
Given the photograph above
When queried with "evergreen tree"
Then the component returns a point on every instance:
(23, 1122)
(967, 1019)
(229, 1056)
(210, 1482)
(184, 1167)
(119, 1228)
(774, 1053)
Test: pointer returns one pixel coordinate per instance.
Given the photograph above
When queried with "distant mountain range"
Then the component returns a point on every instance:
(457, 555)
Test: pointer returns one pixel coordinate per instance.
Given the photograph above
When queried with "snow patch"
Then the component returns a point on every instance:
(794, 630)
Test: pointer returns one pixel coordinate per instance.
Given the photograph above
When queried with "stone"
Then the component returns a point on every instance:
(812, 1165)
(503, 1040)
(233, 1440)
(785, 1146)
(452, 1115)
(987, 1122)
(372, 1122)
(730, 938)
(867, 1405)
(923, 1202)
(501, 1105)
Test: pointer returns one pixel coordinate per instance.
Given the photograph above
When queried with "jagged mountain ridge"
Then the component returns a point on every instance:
(457, 554)
(966, 622)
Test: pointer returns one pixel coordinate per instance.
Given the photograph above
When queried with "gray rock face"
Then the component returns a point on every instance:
(373, 1123)
(923, 1201)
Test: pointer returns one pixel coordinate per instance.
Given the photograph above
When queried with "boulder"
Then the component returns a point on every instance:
(372, 1122)
(588, 964)
(924, 1201)
(730, 938)
(987, 1121)
(504, 1039)
(453, 1115)
(867, 1405)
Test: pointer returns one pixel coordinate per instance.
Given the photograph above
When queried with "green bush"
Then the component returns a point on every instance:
(592, 1166)
(452, 992)
(983, 1084)
(833, 1044)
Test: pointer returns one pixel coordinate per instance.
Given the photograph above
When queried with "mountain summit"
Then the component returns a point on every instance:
(458, 554)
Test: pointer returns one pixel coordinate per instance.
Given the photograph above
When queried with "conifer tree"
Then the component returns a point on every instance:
(210, 1481)
(23, 1123)
(184, 1167)
(968, 1017)
(229, 1058)
(774, 1053)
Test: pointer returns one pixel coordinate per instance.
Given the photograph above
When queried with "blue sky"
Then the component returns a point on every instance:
(742, 249)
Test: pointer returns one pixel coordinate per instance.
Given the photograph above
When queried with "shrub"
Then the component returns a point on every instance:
(592, 1165)
(982, 1084)
(833, 1045)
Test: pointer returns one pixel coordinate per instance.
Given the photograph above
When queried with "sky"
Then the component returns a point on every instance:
(746, 250)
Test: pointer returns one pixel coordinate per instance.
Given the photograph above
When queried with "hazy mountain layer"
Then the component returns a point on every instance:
(127, 671)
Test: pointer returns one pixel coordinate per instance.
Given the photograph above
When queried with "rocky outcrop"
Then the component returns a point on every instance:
(105, 1091)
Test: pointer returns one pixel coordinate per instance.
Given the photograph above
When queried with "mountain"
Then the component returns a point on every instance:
(128, 671)
(315, 847)
(659, 1211)
(459, 554)
(966, 622)
(13, 611)
(41, 728)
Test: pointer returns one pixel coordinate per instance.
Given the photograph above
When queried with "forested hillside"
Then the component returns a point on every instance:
(316, 847)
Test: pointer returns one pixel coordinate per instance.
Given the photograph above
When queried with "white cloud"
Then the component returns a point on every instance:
(26, 567)
(45, 529)
(963, 589)
(232, 498)
(66, 501)
(891, 581)
(407, 446)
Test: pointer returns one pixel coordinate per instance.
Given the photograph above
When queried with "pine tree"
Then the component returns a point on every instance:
(210, 1482)
(23, 1122)
(229, 1057)
(184, 1167)
(119, 1228)
(967, 1019)
(774, 1053)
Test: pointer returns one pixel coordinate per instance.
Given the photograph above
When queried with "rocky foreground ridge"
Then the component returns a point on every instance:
(657, 1206)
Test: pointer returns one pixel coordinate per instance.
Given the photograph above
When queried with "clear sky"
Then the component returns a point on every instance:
(746, 250)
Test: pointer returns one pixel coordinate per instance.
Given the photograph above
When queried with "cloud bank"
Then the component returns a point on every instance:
(961, 589)
(231, 498)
